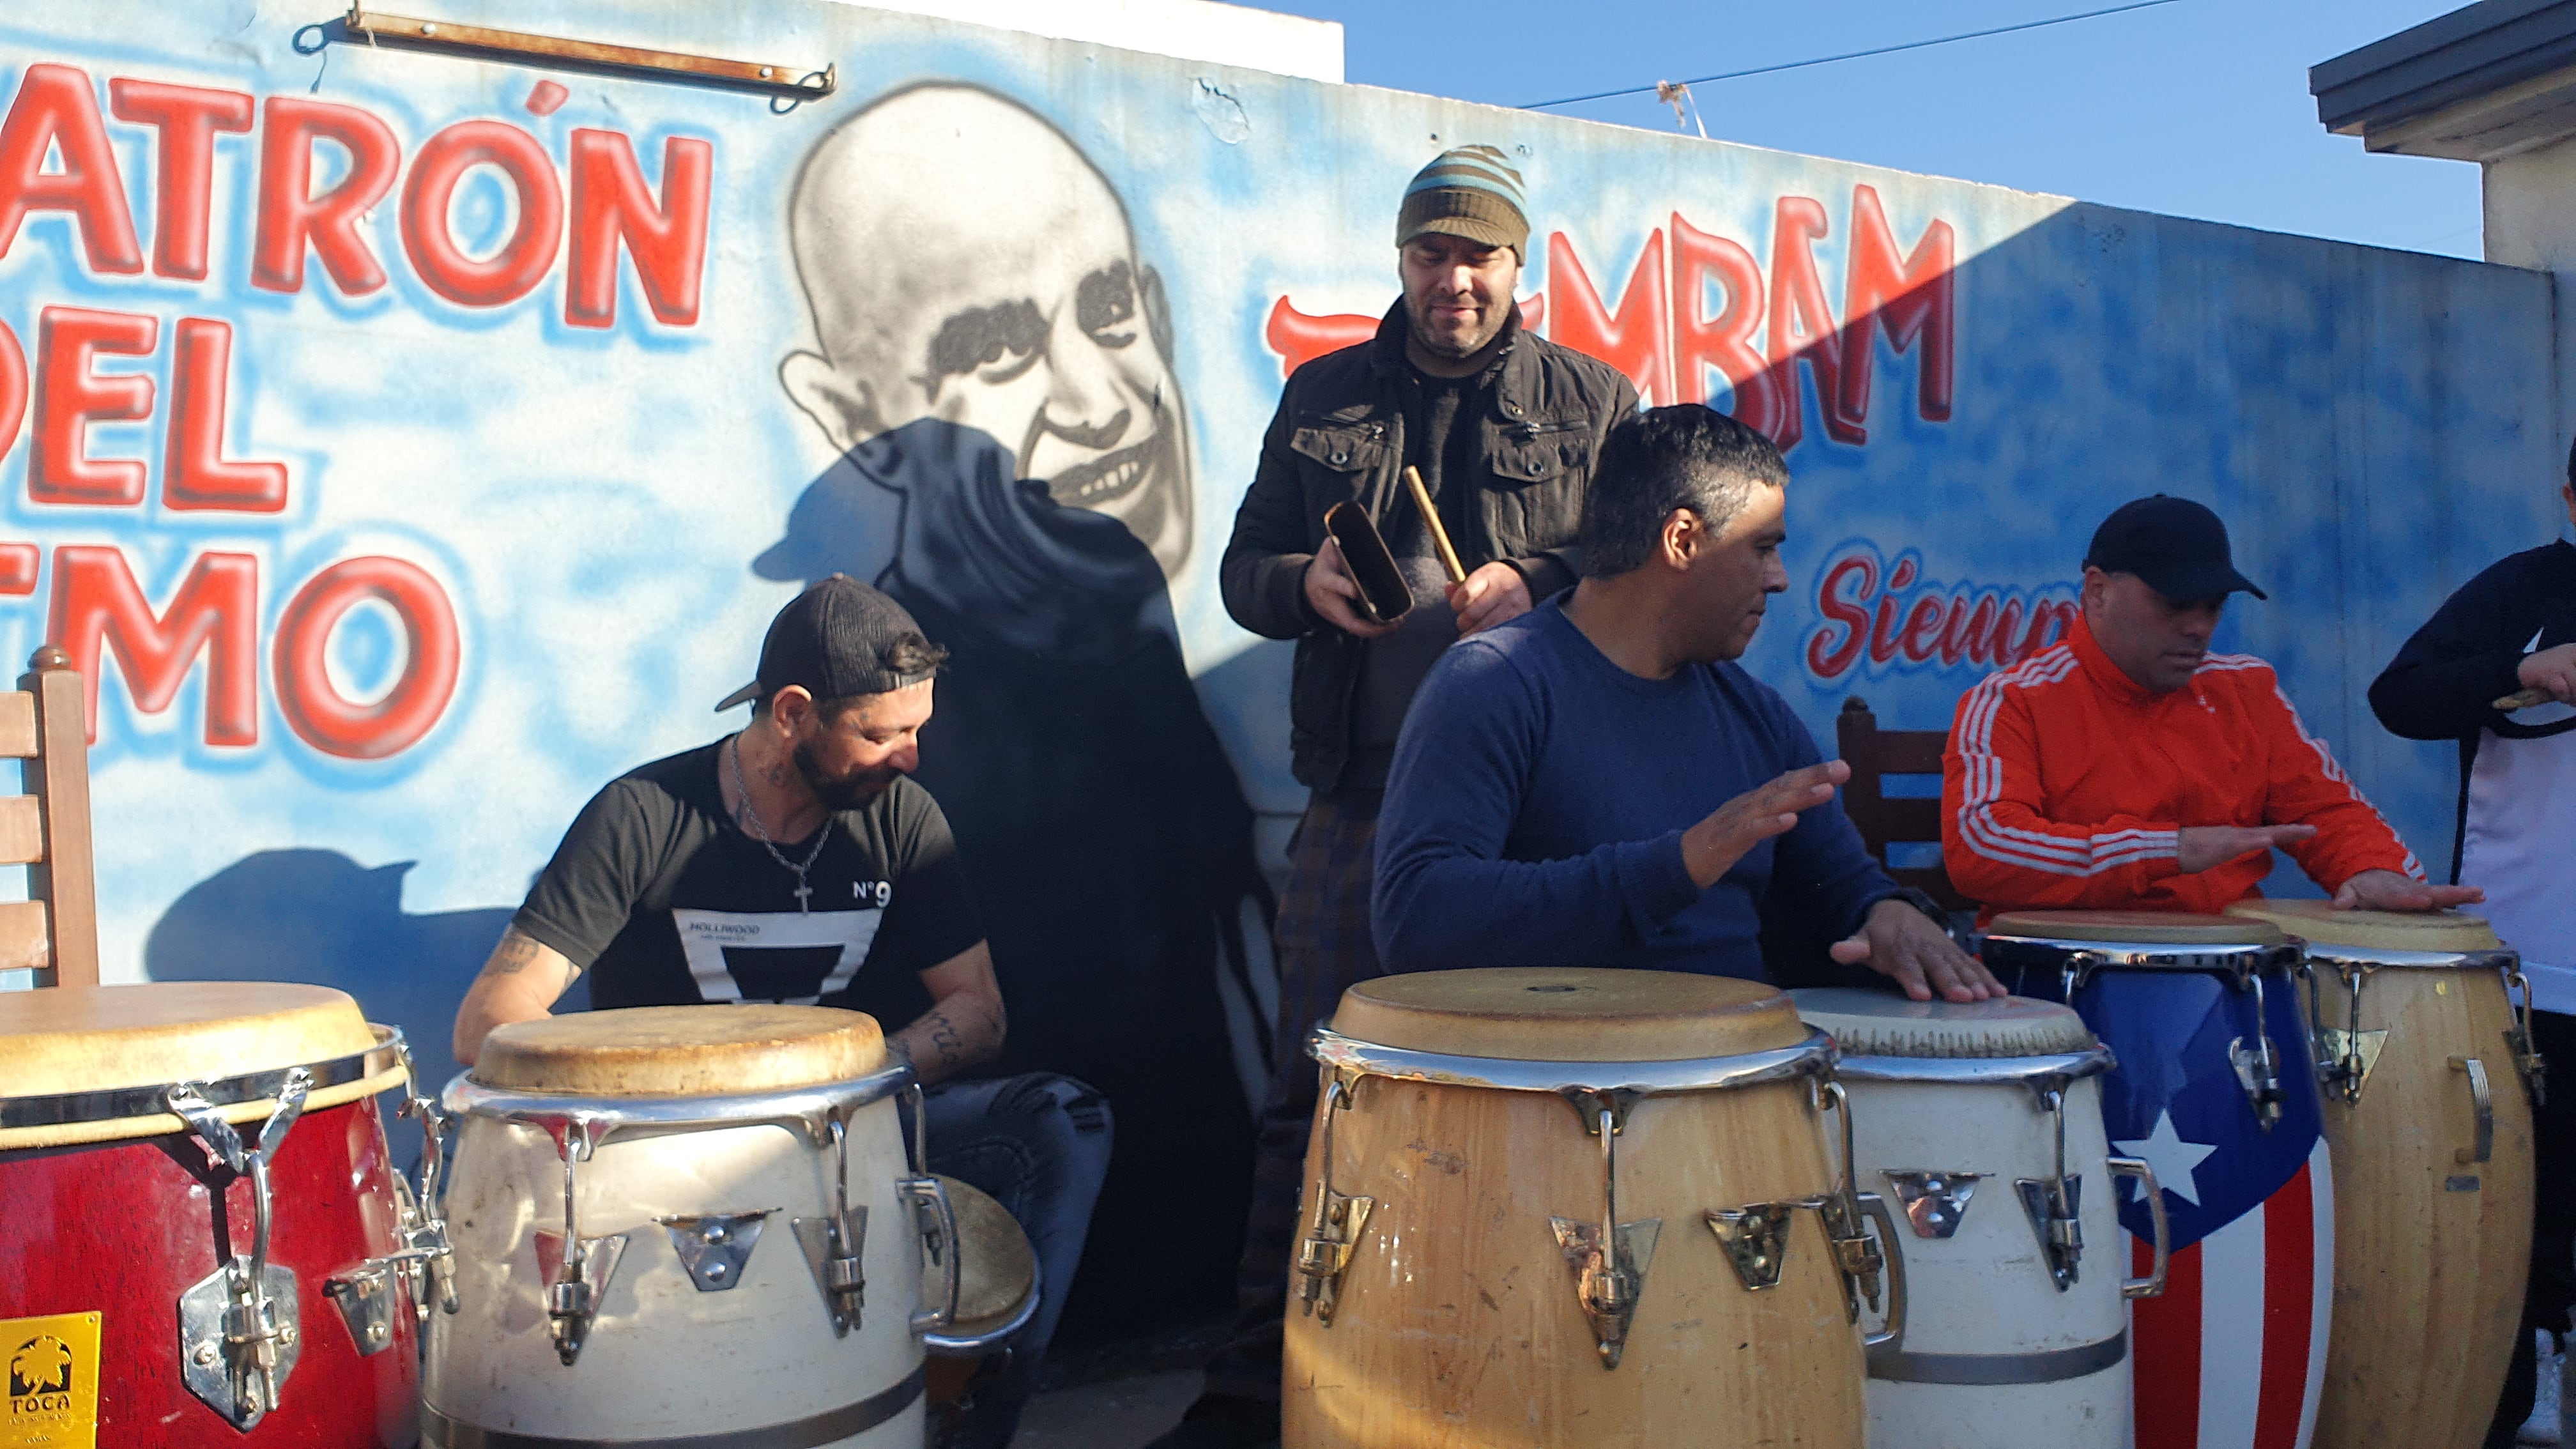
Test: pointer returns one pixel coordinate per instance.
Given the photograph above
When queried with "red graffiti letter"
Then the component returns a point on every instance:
(314, 707)
(18, 565)
(195, 473)
(1907, 299)
(668, 242)
(1843, 598)
(1731, 340)
(1635, 341)
(69, 397)
(57, 108)
(185, 120)
(289, 213)
(1802, 322)
(1922, 632)
(511, 272)
(96, 602)
(13, 388)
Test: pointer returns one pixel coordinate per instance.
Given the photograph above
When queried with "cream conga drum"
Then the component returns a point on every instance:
(1982, 1124)
(2423, 1063)
(1571, 1207)
(202, 1238)
(688, 1224)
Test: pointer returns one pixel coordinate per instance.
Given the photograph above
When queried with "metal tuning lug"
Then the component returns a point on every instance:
(2346, 1059)
(2517, 1038)
(1326, 1251)
(366, 1298)
(2052, 1207)
(239, 1335)
(576, 1282)
(2054, 1204)
(1756, 1239)
(1857, 1255)
(1935, 1202)
(429, 1262)
(1333, 1228)
(1608, 1282)
(935, 1219)
(834, 1245)
(2258, 1072)
(715, 1248)
(576, 1270)
(1608, 1258)
(2153, 1194)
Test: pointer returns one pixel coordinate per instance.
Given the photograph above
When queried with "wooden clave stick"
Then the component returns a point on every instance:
(1431, 520)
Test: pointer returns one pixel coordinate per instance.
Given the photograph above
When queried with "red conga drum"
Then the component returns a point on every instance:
(202, 1240)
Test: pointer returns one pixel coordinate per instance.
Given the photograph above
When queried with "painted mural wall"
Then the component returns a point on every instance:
(408, 445)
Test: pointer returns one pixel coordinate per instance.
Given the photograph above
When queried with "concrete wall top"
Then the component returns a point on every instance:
(1183, 29)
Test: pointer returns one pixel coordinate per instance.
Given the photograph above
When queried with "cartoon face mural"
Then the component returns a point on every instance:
(963, 261)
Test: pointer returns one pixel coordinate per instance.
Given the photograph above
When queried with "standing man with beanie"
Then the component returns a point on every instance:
(2512, 631)
(1504, 427)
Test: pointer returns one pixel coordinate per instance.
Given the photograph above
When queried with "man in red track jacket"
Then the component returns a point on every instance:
(2128, 767)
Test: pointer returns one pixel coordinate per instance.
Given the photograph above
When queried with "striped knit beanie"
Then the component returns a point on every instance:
(1468, 191)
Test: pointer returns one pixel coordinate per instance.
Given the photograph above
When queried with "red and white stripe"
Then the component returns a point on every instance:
(1983, 785)
(2233, 1356)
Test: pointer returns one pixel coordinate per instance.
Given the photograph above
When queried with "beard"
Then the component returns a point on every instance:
(843, 792)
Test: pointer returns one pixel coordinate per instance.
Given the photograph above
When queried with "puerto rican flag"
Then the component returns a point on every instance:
(2233, 1356)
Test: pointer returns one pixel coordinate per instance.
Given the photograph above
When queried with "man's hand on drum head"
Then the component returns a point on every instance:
(1902, 944)
(1712, 847)
(2206, 847)
(2386, 890)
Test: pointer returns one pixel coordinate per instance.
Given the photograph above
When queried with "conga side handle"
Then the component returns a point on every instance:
(2152, 1285)
(2526, 1056)
(2482, 1103)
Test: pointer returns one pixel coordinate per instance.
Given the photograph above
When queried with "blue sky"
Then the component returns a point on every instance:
(2197, 108)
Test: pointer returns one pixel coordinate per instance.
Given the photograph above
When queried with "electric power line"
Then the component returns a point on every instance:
(1852, 55)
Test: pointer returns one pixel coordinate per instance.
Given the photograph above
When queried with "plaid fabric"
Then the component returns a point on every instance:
(1322, 948)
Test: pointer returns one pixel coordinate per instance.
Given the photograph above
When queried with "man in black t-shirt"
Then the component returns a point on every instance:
(796, 861)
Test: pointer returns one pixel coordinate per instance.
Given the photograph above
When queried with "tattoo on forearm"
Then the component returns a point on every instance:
(515, 954)
(945, 1038)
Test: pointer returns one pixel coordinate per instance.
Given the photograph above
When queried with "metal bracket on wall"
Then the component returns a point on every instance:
(484, 43)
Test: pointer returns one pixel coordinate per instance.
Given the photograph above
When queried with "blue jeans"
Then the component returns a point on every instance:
(1039, 1144)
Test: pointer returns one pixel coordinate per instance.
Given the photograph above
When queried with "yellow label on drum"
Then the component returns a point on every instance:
(51, 1367)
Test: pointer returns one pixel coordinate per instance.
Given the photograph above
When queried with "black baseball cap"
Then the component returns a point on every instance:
(2179, 547)
(835, 639)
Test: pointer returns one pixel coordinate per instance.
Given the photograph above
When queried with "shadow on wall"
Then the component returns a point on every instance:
(317, 916)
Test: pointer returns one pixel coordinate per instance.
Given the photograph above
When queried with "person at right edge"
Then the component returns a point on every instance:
(2510, 630)
(1504, 427)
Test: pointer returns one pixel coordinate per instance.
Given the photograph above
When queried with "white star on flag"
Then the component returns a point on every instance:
(2171, 1157)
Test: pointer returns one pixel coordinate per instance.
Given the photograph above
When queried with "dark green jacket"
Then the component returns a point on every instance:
(1339, 435)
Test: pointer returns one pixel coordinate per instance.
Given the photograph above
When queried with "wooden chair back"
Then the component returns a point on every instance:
(52, 936)
(1902, 820)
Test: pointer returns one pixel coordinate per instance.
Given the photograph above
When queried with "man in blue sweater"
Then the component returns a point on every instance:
(1598, 783)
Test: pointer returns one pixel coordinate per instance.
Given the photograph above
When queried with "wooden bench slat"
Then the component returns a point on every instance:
(17, 725)
(23, 940)
(22, 830)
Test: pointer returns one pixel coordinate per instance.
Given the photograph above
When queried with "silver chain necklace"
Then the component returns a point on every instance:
(760, 831)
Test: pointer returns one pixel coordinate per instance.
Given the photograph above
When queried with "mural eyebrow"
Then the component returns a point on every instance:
(1106, 298)
(981, 336)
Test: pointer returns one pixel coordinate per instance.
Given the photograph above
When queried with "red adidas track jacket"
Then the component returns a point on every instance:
(2064, 782)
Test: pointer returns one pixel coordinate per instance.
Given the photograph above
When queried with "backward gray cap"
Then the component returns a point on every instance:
(835, 640)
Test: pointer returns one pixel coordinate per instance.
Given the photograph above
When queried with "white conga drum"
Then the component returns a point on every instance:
(2424, 1064)
(1981, 1123)
(688, 1225)
(1548, 1208)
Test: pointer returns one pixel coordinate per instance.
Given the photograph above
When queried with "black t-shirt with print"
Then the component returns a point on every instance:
(666, 902)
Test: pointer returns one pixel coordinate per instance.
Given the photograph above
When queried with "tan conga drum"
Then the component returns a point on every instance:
(1548, 1208)
(997, 1292)
(2424, 1063)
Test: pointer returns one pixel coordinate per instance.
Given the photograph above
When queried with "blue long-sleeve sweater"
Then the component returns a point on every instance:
(1535, 812)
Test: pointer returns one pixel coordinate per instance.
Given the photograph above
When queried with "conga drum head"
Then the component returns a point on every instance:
(681, 1051)
(2167, 928)
(88, 1063)
(1884, 1024)
(2318, 923)
(1536, 1013)
(997, 1270)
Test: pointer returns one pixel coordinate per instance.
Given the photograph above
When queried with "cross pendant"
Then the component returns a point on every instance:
(804, 898)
